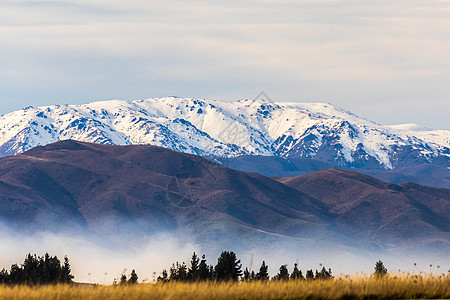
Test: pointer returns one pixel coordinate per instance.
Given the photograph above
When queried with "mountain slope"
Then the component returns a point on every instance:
(228, 129)
(375, 209)
(104, 189)
(137, 191)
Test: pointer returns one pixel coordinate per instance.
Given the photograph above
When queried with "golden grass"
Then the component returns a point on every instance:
(396, 287)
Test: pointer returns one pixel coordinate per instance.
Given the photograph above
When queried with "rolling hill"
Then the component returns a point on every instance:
(139, 190)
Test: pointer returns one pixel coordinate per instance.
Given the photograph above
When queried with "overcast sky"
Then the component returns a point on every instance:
(388, 61)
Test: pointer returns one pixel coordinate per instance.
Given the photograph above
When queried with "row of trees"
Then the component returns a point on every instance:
(283, 274)
(229, 268)
(48, 269)
(36, 270)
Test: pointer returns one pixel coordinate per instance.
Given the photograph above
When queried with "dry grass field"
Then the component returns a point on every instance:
(395, 287)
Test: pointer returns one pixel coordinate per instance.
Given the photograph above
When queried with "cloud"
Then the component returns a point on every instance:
(358, 55)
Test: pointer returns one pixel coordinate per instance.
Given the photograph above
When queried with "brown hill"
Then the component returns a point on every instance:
(137, 191)
(145, 189)
(378, 210)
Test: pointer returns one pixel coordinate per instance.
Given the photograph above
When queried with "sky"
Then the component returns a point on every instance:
(388, 61)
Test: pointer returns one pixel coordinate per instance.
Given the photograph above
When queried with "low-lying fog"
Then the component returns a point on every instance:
(93, 260)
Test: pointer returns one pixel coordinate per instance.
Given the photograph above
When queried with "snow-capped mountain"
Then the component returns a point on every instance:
(227, 129)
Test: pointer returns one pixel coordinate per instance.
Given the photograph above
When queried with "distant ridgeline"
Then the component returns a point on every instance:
(318, 131)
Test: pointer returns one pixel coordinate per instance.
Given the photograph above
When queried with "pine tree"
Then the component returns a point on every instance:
(380, 270)
(16, 275)
(173, 273)
(309, 275)
(32, 270)
(123, 279)
(4, 276)
(194, 272)
(263, 273)
(50, 270)
(324, 274)
(182, 273)
(283, 273)
(164, 277)
(296, 273)
(204, 272)
(246, 275)
(228, 267)
(66, 276)
(133, 277)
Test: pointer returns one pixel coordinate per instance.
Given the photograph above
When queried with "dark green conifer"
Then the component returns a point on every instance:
(228, 267)
(309, 275)
(380, 269)
(194, 271)
(66, 276)
(296, 273)
(246, 276)
(4, 276)
(204, 271)
(182, 273)
(283, 273)
(263, 273)
(163, 278)
(123, 279)
(324, 274)
(133, 277)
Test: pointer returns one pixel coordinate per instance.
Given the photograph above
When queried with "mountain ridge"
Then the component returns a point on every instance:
(317, 131)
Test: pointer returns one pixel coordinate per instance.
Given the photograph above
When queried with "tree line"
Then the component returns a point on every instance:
(46, 269)
(37, 270)
(229, 268)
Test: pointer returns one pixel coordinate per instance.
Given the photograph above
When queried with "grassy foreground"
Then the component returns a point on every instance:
(406, 287)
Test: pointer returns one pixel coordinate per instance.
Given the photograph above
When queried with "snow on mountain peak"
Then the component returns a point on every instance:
(210, 127)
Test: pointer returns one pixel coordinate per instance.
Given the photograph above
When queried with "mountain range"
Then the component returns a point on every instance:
(140, 190)
(423, 173)
(318, 131)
